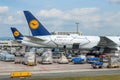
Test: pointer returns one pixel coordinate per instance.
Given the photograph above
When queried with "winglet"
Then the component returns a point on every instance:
(35, 26)
(17, 35)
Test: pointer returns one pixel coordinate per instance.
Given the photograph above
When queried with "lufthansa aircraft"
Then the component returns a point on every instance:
(42, 36)
(19, 37)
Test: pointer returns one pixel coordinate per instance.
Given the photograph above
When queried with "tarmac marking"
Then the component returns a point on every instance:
(60, 67)
(44, 69)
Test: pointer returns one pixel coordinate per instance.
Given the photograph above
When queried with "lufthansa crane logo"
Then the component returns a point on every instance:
(16, 33)
(34, 24)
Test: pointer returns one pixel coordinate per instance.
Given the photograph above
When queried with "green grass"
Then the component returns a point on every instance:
(105, 77)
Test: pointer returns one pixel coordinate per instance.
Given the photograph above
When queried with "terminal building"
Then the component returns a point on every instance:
(9, 43)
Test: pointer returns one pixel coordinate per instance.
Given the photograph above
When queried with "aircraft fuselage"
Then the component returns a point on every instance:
(67, 41)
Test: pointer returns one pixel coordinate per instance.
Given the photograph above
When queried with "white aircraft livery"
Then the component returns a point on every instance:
(42, 36)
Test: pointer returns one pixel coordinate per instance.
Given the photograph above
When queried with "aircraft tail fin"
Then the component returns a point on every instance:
(35, 26)
(17, 35)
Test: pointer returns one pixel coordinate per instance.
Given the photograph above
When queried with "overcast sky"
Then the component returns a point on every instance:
(95, 17)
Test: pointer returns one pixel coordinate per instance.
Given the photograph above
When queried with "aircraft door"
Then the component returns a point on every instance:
(75, 46)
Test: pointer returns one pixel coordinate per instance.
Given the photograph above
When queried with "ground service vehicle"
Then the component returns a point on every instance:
(5, 56)
(29, 59)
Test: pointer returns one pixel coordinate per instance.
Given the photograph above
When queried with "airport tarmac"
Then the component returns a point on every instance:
(54, 70)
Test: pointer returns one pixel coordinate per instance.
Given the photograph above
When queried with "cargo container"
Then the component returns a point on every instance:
(77, 60)
(63, 59)
(95, 59)
(97, 65)
(69, 55)
(40, 51)
(114, 62)
(47, 57)
(29, 59)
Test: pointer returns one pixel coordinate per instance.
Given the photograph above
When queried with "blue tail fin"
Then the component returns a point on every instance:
(17, 35)
(35, 26)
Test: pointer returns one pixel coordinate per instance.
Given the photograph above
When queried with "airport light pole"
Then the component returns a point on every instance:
(77, 27)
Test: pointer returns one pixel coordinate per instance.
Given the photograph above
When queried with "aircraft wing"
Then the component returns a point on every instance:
(17, 41)
(35, 39)
(106, 42)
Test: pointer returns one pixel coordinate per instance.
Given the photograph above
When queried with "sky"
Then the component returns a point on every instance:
(95, 17)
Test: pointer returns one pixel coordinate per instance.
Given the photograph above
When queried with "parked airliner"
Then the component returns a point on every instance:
(19, 37)
(42, 36)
